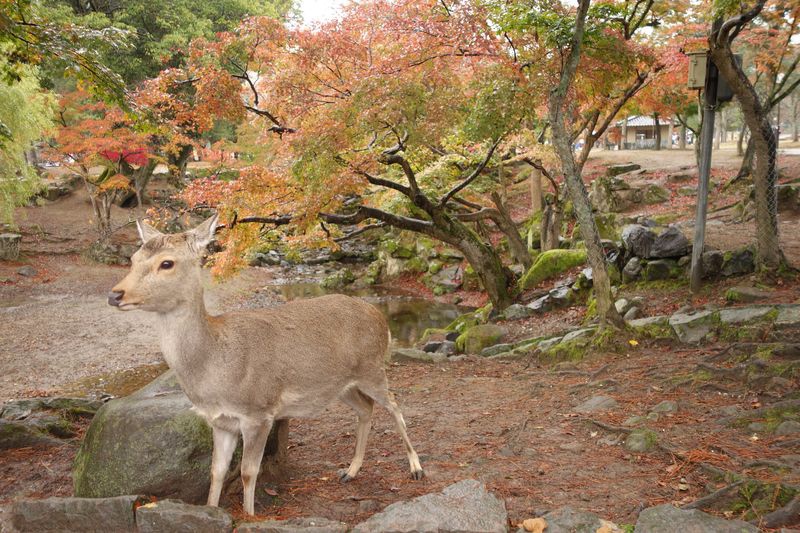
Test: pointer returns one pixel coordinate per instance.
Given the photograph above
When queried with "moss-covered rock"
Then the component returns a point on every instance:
(149, 443)
(551, 263)
(476, 338)
(339, 279)
(641, 440)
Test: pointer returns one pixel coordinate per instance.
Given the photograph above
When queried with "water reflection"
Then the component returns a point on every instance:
(408, 316)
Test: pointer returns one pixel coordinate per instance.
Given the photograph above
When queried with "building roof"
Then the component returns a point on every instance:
(641, 120)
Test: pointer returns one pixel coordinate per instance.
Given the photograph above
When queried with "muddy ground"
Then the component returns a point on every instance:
(509, 424)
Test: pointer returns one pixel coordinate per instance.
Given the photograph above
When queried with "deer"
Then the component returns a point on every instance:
(243, 370)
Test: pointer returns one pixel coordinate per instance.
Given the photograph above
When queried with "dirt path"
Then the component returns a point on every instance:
(513, 425)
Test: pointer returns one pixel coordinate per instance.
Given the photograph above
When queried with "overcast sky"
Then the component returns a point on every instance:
(319, 10)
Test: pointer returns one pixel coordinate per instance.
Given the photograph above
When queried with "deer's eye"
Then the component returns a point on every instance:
(166, 265)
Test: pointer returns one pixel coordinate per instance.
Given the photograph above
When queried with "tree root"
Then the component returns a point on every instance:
(709, 500)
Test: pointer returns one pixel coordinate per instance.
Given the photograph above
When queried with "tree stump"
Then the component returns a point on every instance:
(9, 246)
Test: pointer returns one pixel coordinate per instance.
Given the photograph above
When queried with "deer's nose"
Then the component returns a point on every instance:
(115, 297)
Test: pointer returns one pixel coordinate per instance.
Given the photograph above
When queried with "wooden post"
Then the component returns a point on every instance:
(670, 133)
(624, 133)
(707, 134)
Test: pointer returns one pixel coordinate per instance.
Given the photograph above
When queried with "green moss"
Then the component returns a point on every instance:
(431, 332)
(476, 338)
(417, 265)
(463, 322)
(435, 266)
(756, 499)
(574, 350)
(550, 264)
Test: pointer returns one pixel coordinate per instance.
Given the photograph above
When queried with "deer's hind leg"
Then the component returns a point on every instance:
(254, 439)
(362, 405)
(379, 391)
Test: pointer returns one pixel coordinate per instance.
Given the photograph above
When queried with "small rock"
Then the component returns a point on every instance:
(21, 435)
(173, 515)
(412, 354)
(667, 406)
(712, 261)
(432, 346)
(27, 271)
(569, 520)
(632, 269)
(548, 343)
(616, 170)
(659, 269)
(561, 297)
(496, 349)
(622, 305)
(739, 262)
(634, 421)
(573, 446)
(597, 403)
(669, 519)
(692, 327)
(788, 427)
(294, 525)
(746, 295)
(516, 312)
(632, 314)
(541, 305)
(476, 338)
(447, 348)
(641, 440)
(743, 315)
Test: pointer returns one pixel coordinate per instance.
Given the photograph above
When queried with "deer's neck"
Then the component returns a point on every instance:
(186, 337)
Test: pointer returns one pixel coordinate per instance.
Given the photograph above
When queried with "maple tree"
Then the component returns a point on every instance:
(589, 64)
(101, 143)
(393, 115)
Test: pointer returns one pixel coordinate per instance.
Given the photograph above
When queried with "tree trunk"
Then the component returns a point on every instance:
(657, 131)
(718, 136)
(487, 266)
(682, 140)
(551, 228)
(536, 191)
(768, 254)
(577, 191)
(740, 140)
(746, 168)
(517, 246)
(177, 166)
(795, 115)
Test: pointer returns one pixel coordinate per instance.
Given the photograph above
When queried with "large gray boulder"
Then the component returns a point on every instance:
(74, 514)
(670, 243)
(669, 519)
(638, 240)
(179, 517)
(463, 506)
(152, 443)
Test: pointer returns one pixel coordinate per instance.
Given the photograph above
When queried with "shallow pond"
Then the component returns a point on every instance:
(408, 316)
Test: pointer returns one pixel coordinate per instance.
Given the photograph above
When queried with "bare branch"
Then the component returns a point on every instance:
(473, 175)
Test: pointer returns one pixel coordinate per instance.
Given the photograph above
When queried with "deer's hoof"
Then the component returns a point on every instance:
(344, 477)
(417, 474)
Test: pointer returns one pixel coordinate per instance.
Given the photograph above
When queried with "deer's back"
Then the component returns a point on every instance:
(311, 348)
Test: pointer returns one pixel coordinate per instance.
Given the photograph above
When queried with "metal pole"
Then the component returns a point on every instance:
(706, 142)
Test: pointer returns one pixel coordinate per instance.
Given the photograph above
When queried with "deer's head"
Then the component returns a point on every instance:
(165, 272)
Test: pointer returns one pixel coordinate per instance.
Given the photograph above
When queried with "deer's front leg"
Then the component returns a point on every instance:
(224, 445)
(254, 437)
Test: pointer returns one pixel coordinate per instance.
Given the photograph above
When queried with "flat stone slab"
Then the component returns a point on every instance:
(669, 519)
(412, 354)
(178, 517)
(661, 320)
(788, 315)
(578, 334)
(461, 507)
(692, 327)
(743, 315)
(294, 525)
(75, 514)
(597, 403)
(569, 520)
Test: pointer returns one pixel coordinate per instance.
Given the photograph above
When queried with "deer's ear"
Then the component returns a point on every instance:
(146, 231)
(203, 234)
